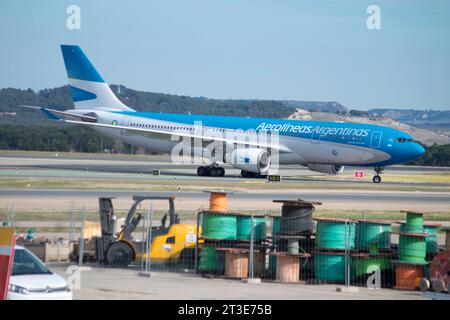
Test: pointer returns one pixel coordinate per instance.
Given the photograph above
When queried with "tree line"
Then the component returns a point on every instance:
(55, 138)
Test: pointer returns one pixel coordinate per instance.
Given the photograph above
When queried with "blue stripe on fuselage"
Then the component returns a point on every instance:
(325, 130)
(356, 134)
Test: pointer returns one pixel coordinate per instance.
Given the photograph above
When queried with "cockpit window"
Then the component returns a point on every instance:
(404, 140)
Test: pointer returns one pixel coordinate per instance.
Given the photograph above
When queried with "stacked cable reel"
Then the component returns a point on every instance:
(416, 246)
(373, 252)
(290, 257)
(226, 239)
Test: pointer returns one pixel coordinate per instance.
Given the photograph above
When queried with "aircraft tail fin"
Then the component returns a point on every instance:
(88, 89)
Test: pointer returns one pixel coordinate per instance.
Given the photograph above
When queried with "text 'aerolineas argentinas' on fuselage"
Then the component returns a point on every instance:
(323, 131)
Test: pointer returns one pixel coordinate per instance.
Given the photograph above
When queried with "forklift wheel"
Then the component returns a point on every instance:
(119, 254)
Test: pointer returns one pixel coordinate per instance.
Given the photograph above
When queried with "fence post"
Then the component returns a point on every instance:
(346, 254)
(196, 242)
(10, 215)
(251, 262)
(148, 259)
(81, 244)
(144, 240)
(72, 221)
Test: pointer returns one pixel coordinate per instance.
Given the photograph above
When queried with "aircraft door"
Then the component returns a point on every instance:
(375, 140)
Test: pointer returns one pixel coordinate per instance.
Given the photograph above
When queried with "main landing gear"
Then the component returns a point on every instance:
(212, 170)
(377, 177)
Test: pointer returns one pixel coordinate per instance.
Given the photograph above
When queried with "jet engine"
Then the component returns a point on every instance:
(250, 159)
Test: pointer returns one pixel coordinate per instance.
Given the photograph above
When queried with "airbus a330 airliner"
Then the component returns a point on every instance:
(321, 146)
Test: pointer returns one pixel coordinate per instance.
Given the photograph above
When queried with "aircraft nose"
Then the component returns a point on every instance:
(417, 150)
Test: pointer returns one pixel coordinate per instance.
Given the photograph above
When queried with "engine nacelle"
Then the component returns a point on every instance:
(250, 159)
(326, 168)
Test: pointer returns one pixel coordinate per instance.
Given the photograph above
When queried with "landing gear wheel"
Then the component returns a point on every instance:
(211, 171)
(245, 174)
(221, 172)
(201, 171)
(376, 179)
(119, 254)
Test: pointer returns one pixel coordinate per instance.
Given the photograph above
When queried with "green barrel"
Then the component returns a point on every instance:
(219, 226)
(276, 227)
(331, 234)
(244, 224)
(431, 240)
(367, 265)
(329, 266)
(414, 222)
(372, 233)
(412, 249)
(212, 260)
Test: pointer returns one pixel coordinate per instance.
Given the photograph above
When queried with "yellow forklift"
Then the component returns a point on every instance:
(174, 243)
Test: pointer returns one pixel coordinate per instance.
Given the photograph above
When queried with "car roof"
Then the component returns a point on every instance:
(17, 247)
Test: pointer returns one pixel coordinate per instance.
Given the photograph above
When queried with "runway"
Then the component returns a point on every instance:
(22, 165)
(53, 199)
(19, 173)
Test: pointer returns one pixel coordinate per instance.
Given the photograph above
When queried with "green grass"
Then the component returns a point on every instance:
(46, 215)
(157, 184)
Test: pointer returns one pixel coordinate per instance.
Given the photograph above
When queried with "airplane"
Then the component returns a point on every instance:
(322, 146)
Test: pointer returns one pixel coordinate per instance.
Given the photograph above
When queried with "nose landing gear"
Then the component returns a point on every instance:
(377, 177)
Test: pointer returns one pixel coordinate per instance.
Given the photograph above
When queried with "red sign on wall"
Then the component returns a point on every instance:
(359, 174)
(7, 242)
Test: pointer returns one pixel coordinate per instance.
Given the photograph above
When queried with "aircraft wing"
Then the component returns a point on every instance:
(160, 134)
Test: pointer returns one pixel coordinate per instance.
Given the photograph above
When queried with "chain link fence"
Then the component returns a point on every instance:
(292, 246)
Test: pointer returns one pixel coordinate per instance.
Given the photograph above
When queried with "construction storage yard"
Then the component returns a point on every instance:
(152, 230)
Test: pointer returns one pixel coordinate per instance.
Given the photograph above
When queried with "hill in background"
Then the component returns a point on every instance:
(427, 126)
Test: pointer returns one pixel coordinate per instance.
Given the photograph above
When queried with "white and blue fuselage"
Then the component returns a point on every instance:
(316, 144)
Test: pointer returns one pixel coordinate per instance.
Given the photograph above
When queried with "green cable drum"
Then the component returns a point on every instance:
(219, 226)
(335, 234)
(329, 266)
(431, 239)
(412, 248)
(370, 233)
(363, 265)
(211, 260)
(244, 224)
(414, 222)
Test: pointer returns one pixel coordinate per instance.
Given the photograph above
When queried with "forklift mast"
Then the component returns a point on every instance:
(133, 220)
(106, 216)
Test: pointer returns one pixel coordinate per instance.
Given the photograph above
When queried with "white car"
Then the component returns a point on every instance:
(31, 280)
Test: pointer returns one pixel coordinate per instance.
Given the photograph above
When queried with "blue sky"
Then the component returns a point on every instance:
(296, 50)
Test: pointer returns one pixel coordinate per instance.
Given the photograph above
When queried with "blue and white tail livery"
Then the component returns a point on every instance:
(321, 146)
(89, 90)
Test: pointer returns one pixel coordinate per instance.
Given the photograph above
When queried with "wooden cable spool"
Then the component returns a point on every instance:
(408, 276)
(218, 201)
